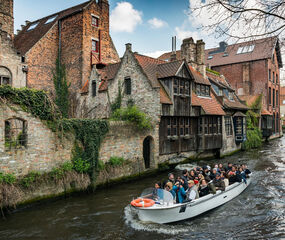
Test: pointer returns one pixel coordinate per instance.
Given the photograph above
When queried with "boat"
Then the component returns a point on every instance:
(163, 210)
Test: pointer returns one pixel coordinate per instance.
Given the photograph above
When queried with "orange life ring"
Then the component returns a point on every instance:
(142, 202)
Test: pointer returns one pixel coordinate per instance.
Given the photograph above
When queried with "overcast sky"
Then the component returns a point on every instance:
(147, 24)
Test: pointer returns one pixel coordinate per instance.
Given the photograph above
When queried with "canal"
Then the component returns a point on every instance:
(258, 213)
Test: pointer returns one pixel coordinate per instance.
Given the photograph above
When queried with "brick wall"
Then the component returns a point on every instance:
(124, 140)
(44, 150)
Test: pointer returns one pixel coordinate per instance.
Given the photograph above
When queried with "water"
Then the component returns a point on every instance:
(258, 213)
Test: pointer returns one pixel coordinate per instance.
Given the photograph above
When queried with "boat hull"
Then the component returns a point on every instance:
(178, 212)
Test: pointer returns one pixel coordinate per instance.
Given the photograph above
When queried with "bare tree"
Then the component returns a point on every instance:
(241, 19)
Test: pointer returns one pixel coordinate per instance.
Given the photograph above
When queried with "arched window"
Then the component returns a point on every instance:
(15, 133)
(5, 76)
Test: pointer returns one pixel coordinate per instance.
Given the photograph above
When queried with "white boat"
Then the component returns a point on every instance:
(165, 211)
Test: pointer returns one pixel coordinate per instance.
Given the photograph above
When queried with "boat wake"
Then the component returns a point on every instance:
(132, 220)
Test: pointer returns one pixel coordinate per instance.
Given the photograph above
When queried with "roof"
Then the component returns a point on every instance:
(25, 40)
(167, 69)
(249, 99)
(239, 114)
(263, 49)
(210, 104)
(265, 112)
(219, 80)
(166, 56)
(150, 67)
(234, 104)
(198, 77)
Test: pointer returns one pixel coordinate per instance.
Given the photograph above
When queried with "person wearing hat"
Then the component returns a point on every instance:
(219, 183)
(192, 191)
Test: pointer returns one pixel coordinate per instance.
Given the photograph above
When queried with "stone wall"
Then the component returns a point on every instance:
(124, 140)
(7, 17)
(43, 151)
(10, 62)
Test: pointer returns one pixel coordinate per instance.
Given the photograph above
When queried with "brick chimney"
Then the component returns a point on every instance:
(7, 16)
(194, 54)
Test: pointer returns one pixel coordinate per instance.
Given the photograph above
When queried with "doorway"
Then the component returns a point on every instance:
(148, 148)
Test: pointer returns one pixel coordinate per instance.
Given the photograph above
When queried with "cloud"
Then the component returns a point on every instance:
(124, 18)
(157, 23)
(182, 33)
(155, 54)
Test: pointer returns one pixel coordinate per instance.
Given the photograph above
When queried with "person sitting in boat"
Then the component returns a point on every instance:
(192, 175)
(179, 191)
(246, 170)
(234, 176)
(206, 173)
(170, 179)
(226, 180)
(219, 183)
(221, 168)
(213, 173)
(185, 179)
(192, 192)
(203, 188)
(229, 168)
(157, 192)
(169, 188)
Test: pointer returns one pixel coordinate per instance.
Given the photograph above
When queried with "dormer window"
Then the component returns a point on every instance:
(245, 49)
(95, 21)
(33, 26)
(51, 19)
(202, 90)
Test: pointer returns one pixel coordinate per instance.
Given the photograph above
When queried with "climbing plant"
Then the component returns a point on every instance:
(34, 101)
(61, 88)
(254, 135)
(89, 133)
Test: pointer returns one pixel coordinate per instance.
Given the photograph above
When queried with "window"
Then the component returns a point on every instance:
(169, 127)
(175, 86)
(269, 95)
(200, 125)
(277, 122)
(15, 133)
(269, 74)
(181, 126)
(207, 91)
(128, 86)
(95, 45)
(198, 89)
(93, 88)
(181, 86)
(277, 100)
(95, 21)
(174, 126)
(202, 90)
(187, 126)
(5, 76)
(284, 102)
(51, 19)
(33, 26)
(206, 125)
(273, 77)
(276, 78)
(187, 88)
(273, 97)
(231, 96)
(210, 57)
(228, 125)
(245, 49)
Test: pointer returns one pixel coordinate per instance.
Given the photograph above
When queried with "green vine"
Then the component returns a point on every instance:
(61, 89)
(212, 71)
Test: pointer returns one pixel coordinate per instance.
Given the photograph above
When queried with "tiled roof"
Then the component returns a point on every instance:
(263, 49)
(219, 79)
(265, 112)
(150, 67)
(198, 77)
(108, 73)
(166, 56)
(164, 97)
(210, 104)
(167, 69)
(25, 40)
(235, 104)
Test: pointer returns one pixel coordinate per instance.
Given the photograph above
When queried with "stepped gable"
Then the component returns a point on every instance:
(210, 104)
(263, 49)
(26, 39)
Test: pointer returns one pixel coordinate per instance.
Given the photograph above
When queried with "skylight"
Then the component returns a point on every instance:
(51, 19)
(210, 57)
(33, 26)
(245, 49)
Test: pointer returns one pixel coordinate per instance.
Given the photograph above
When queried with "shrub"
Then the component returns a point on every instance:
(81, 165)
(254, 139)
(67, 166)
(7, 178)
(116, 161)
(133, 115)
(101, 165)
(29, 179)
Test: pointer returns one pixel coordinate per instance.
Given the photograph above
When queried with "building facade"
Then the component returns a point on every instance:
(12, 69)
(79, 37)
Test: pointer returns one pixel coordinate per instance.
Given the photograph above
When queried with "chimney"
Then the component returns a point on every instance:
(129, 47)
(188, 51)
(200, 50)
(173, 53)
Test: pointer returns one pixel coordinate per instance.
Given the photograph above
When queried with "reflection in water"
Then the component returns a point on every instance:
(258, 213)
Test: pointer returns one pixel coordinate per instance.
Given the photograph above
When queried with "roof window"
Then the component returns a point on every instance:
(33, 26)
(210, 57)
(245, 49)
(225, 54)
(51, 19)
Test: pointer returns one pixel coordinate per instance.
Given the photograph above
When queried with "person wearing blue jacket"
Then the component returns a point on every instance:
(180, 192)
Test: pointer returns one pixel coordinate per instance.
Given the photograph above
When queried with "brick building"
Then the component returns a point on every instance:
(78, 36)
(282, 104)
(253, 68)
(12, 70)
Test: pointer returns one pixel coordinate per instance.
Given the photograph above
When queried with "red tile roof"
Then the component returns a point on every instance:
(210, 104)
(219, 79)
(263, 49)
(25, 40)
(198, 77)
(166, 56)
(265, 112)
